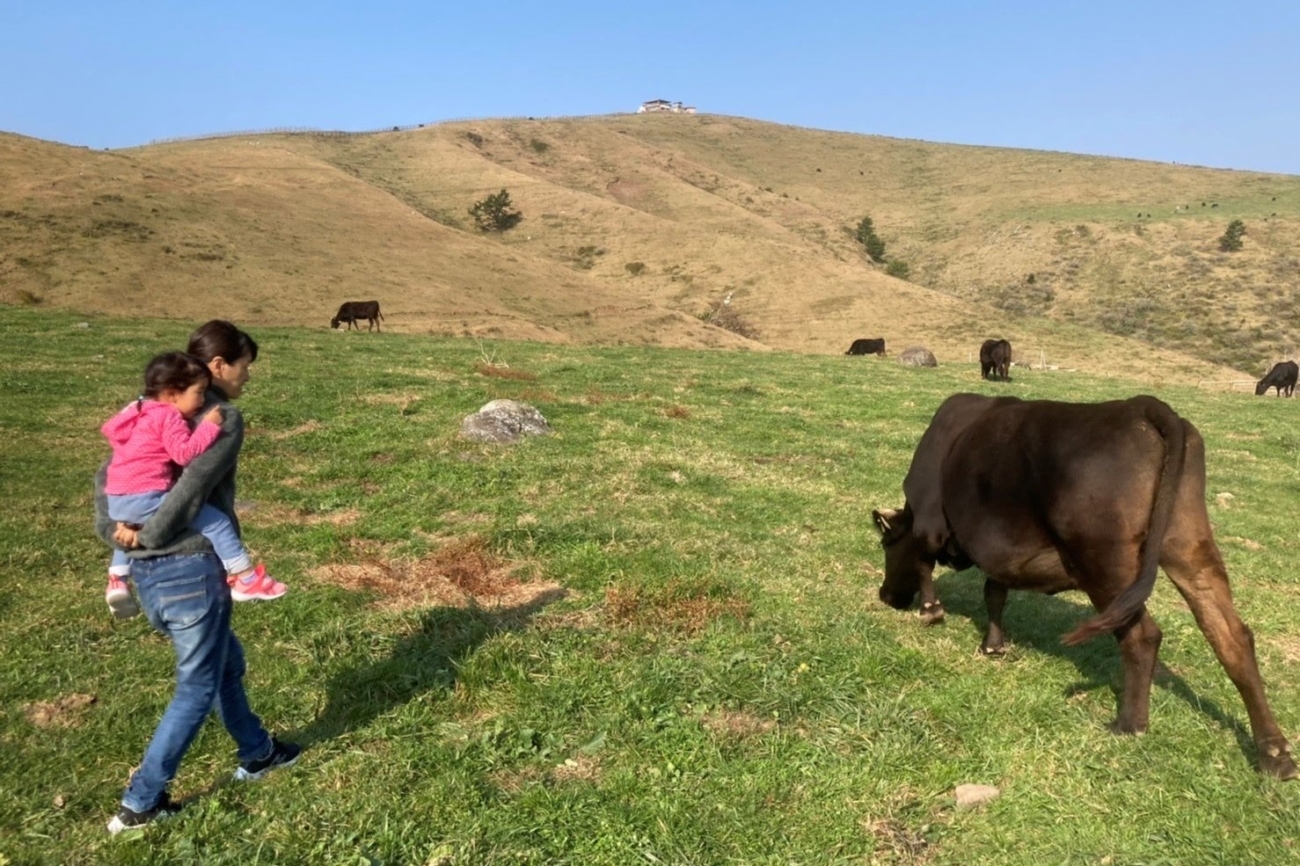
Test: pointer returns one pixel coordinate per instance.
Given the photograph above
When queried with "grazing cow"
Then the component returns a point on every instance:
(1047, 496)
(352, 311)
(867, 347)
(1282, 377)
(995, 358)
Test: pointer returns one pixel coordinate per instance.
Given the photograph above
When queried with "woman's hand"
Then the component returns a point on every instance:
(126, 536)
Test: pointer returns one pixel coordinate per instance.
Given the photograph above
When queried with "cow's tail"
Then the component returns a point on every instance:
(1122, 609)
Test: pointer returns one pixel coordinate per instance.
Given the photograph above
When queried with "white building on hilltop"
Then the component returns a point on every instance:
(665, 105)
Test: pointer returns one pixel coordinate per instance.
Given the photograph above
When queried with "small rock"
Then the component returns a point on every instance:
(970, 796)
(504, 421)
(84, 326)
(1222, 499)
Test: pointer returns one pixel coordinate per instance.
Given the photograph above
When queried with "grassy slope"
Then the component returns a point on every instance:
(718, 683)
(284, 227)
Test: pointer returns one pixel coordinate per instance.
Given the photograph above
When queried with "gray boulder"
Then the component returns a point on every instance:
(917, 356)
(504, 421)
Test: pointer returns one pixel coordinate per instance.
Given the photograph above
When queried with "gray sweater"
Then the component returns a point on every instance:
(208, 479)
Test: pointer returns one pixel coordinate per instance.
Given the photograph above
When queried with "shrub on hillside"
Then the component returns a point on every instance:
(1021, 299)
(722, 315)
(1231, 240)
(494, 214)
(898, 268)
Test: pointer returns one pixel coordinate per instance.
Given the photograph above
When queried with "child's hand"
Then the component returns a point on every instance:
(126, 536)
(214, 415)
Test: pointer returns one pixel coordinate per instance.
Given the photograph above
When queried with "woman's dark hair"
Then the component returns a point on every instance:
(221, 339)
(173, 371)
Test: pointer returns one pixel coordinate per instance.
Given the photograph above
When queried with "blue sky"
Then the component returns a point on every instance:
(1204, 83)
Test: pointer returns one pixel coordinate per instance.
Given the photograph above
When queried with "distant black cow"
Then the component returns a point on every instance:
(1046, 496)
(353, 311)
(995, 358)
(1282, 377)
(867, 347)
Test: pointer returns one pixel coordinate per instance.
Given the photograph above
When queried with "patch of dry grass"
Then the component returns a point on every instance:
(675, 606)
(737, 724)
(501, 371)
(62, 712)
(461, 573)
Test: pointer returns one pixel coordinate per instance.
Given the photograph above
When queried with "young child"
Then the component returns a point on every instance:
(151, 440)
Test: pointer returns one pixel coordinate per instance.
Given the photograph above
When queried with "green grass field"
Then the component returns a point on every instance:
(671, 652)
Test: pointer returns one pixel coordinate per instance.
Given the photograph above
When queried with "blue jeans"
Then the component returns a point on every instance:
(210, 522)
(185, 597)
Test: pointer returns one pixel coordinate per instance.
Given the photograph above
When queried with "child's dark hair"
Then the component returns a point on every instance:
(173, 371)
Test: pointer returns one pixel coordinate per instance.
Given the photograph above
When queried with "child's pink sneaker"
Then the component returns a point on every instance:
(119, 598)
(258, 586)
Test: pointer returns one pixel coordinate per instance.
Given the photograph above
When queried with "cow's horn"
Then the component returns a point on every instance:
(883, 516)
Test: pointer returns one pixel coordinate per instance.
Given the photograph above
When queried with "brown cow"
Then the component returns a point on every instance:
(352, 311)
(1283, 377)
(1049, 496)
(995, 358)
(867, 346)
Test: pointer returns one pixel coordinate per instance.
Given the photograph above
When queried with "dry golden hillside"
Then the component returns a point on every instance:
(635, 226)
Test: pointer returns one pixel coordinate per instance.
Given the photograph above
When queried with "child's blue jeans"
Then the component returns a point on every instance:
(211, 523)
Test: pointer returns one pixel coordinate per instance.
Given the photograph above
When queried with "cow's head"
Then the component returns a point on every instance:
(905, 567)
(334, 322)
(1261, 386)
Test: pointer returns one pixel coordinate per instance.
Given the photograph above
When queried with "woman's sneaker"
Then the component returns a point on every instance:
(119, 598)
(129, 819)
(282, 755)
(257, 586)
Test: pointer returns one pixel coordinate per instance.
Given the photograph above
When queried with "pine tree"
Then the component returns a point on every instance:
(1231, 240)
(871, 242)
(493, 214)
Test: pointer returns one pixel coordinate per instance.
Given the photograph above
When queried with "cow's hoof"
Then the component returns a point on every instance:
(932, 613)
(1275, 760)
(994, 651)
(1125, 728)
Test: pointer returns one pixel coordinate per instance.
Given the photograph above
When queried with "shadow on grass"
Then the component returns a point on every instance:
(1038, 622)
(424, 660)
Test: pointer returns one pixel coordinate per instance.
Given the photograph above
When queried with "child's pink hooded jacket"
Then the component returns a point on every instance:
(150, 438)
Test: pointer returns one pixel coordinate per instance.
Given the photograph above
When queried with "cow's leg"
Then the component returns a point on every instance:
(1192, 560)
(932, 612)
(1139, 644)
(1197, 570)
(1104, 574)
(995, 600)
